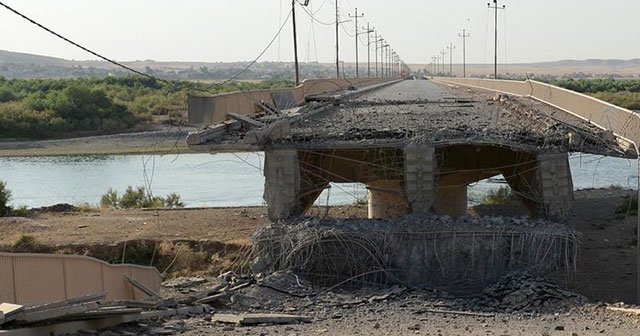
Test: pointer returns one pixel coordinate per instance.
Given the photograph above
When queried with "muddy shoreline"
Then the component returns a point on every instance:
(168, 140)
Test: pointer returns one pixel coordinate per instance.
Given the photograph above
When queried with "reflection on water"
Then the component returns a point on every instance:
(587, 171)
(218, 180)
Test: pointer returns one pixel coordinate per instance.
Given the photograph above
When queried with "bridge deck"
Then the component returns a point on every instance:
(421, 111)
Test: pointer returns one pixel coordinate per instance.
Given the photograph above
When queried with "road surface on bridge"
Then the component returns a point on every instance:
(422, 111)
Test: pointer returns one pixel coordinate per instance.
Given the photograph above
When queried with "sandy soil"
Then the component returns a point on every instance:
(165, 140)
(226, 225)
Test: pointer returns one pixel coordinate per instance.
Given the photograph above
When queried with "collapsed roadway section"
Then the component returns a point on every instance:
(417, 145)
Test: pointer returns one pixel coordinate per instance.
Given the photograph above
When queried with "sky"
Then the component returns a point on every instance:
(234, 30)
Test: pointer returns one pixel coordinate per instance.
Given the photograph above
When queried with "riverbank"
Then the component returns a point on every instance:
(168, 140)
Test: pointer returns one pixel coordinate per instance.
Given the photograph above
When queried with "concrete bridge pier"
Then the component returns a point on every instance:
(282, 184)
(418, 179)
(387, 199)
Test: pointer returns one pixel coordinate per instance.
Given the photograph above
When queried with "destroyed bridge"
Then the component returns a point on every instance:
(417, 145)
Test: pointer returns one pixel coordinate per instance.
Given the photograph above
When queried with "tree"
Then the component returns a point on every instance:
(5, 197)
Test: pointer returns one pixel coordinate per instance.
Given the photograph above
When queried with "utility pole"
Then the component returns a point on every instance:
(375, 36)
(356, 16)
(387, 56)
(295, 41)
(444, 66)
(337, 41)
(382, 59)
(369, 31)
(434, 69)
(495, 60)
(451, 47)
(464, 52)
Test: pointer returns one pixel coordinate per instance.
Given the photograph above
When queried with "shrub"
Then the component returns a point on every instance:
(110, 199)
(132, 198)
(5, 197)
(28, 244)
(503, 195)
(173, 201)
(138, 197)
(21, 211)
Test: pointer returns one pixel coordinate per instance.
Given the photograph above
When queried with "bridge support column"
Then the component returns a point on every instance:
(451, 195)
(419, 176)
(387, 199)
(282, 184)
(544, 184)
(556, 186)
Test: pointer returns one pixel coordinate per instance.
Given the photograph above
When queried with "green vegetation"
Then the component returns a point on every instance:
(5, 197)
(28, 244)
(135, 198)
(503, 195)
(43, 108)
(623, 93)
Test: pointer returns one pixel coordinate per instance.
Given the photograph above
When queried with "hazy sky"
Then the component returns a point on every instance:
(230, 30)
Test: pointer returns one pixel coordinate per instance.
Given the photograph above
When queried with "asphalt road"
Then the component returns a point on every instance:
(408, 90)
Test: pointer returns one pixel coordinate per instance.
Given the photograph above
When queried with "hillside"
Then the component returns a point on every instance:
(23, 65)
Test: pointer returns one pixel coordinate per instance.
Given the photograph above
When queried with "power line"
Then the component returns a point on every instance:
(80, 46)
(116, 63)
(313, 18)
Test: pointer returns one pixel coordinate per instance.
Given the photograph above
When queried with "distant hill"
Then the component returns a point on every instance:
(563, 68)
(23, 65)
(10, 57)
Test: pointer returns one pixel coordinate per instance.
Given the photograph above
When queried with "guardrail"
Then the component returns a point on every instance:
(207, 110)
(41, 278)
(623, 123)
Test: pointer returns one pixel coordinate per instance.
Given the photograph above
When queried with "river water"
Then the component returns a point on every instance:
(218, 180)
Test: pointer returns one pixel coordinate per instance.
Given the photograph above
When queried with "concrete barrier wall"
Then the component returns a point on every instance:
(41, 278)
(206, 110)
(624, 123)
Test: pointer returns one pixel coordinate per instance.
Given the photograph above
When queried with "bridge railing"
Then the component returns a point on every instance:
(41, 278)
(207, 110)
(623, 123)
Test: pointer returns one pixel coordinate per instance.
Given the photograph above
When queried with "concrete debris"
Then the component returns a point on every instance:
(253, 319)
(84, 313)
(288, 283)
(185, 282)
(524, 291)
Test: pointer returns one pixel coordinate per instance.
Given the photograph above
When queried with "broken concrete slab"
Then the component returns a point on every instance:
(9, 311)
(245, 120)
(253, 319)
(55, 313)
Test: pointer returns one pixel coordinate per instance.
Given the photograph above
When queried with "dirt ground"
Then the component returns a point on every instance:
(606, 273)
(606, 269)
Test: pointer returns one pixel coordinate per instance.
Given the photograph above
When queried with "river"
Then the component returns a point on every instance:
(218, 180)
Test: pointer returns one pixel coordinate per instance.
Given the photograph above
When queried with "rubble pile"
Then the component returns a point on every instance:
(524, 291)
(439, 250)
